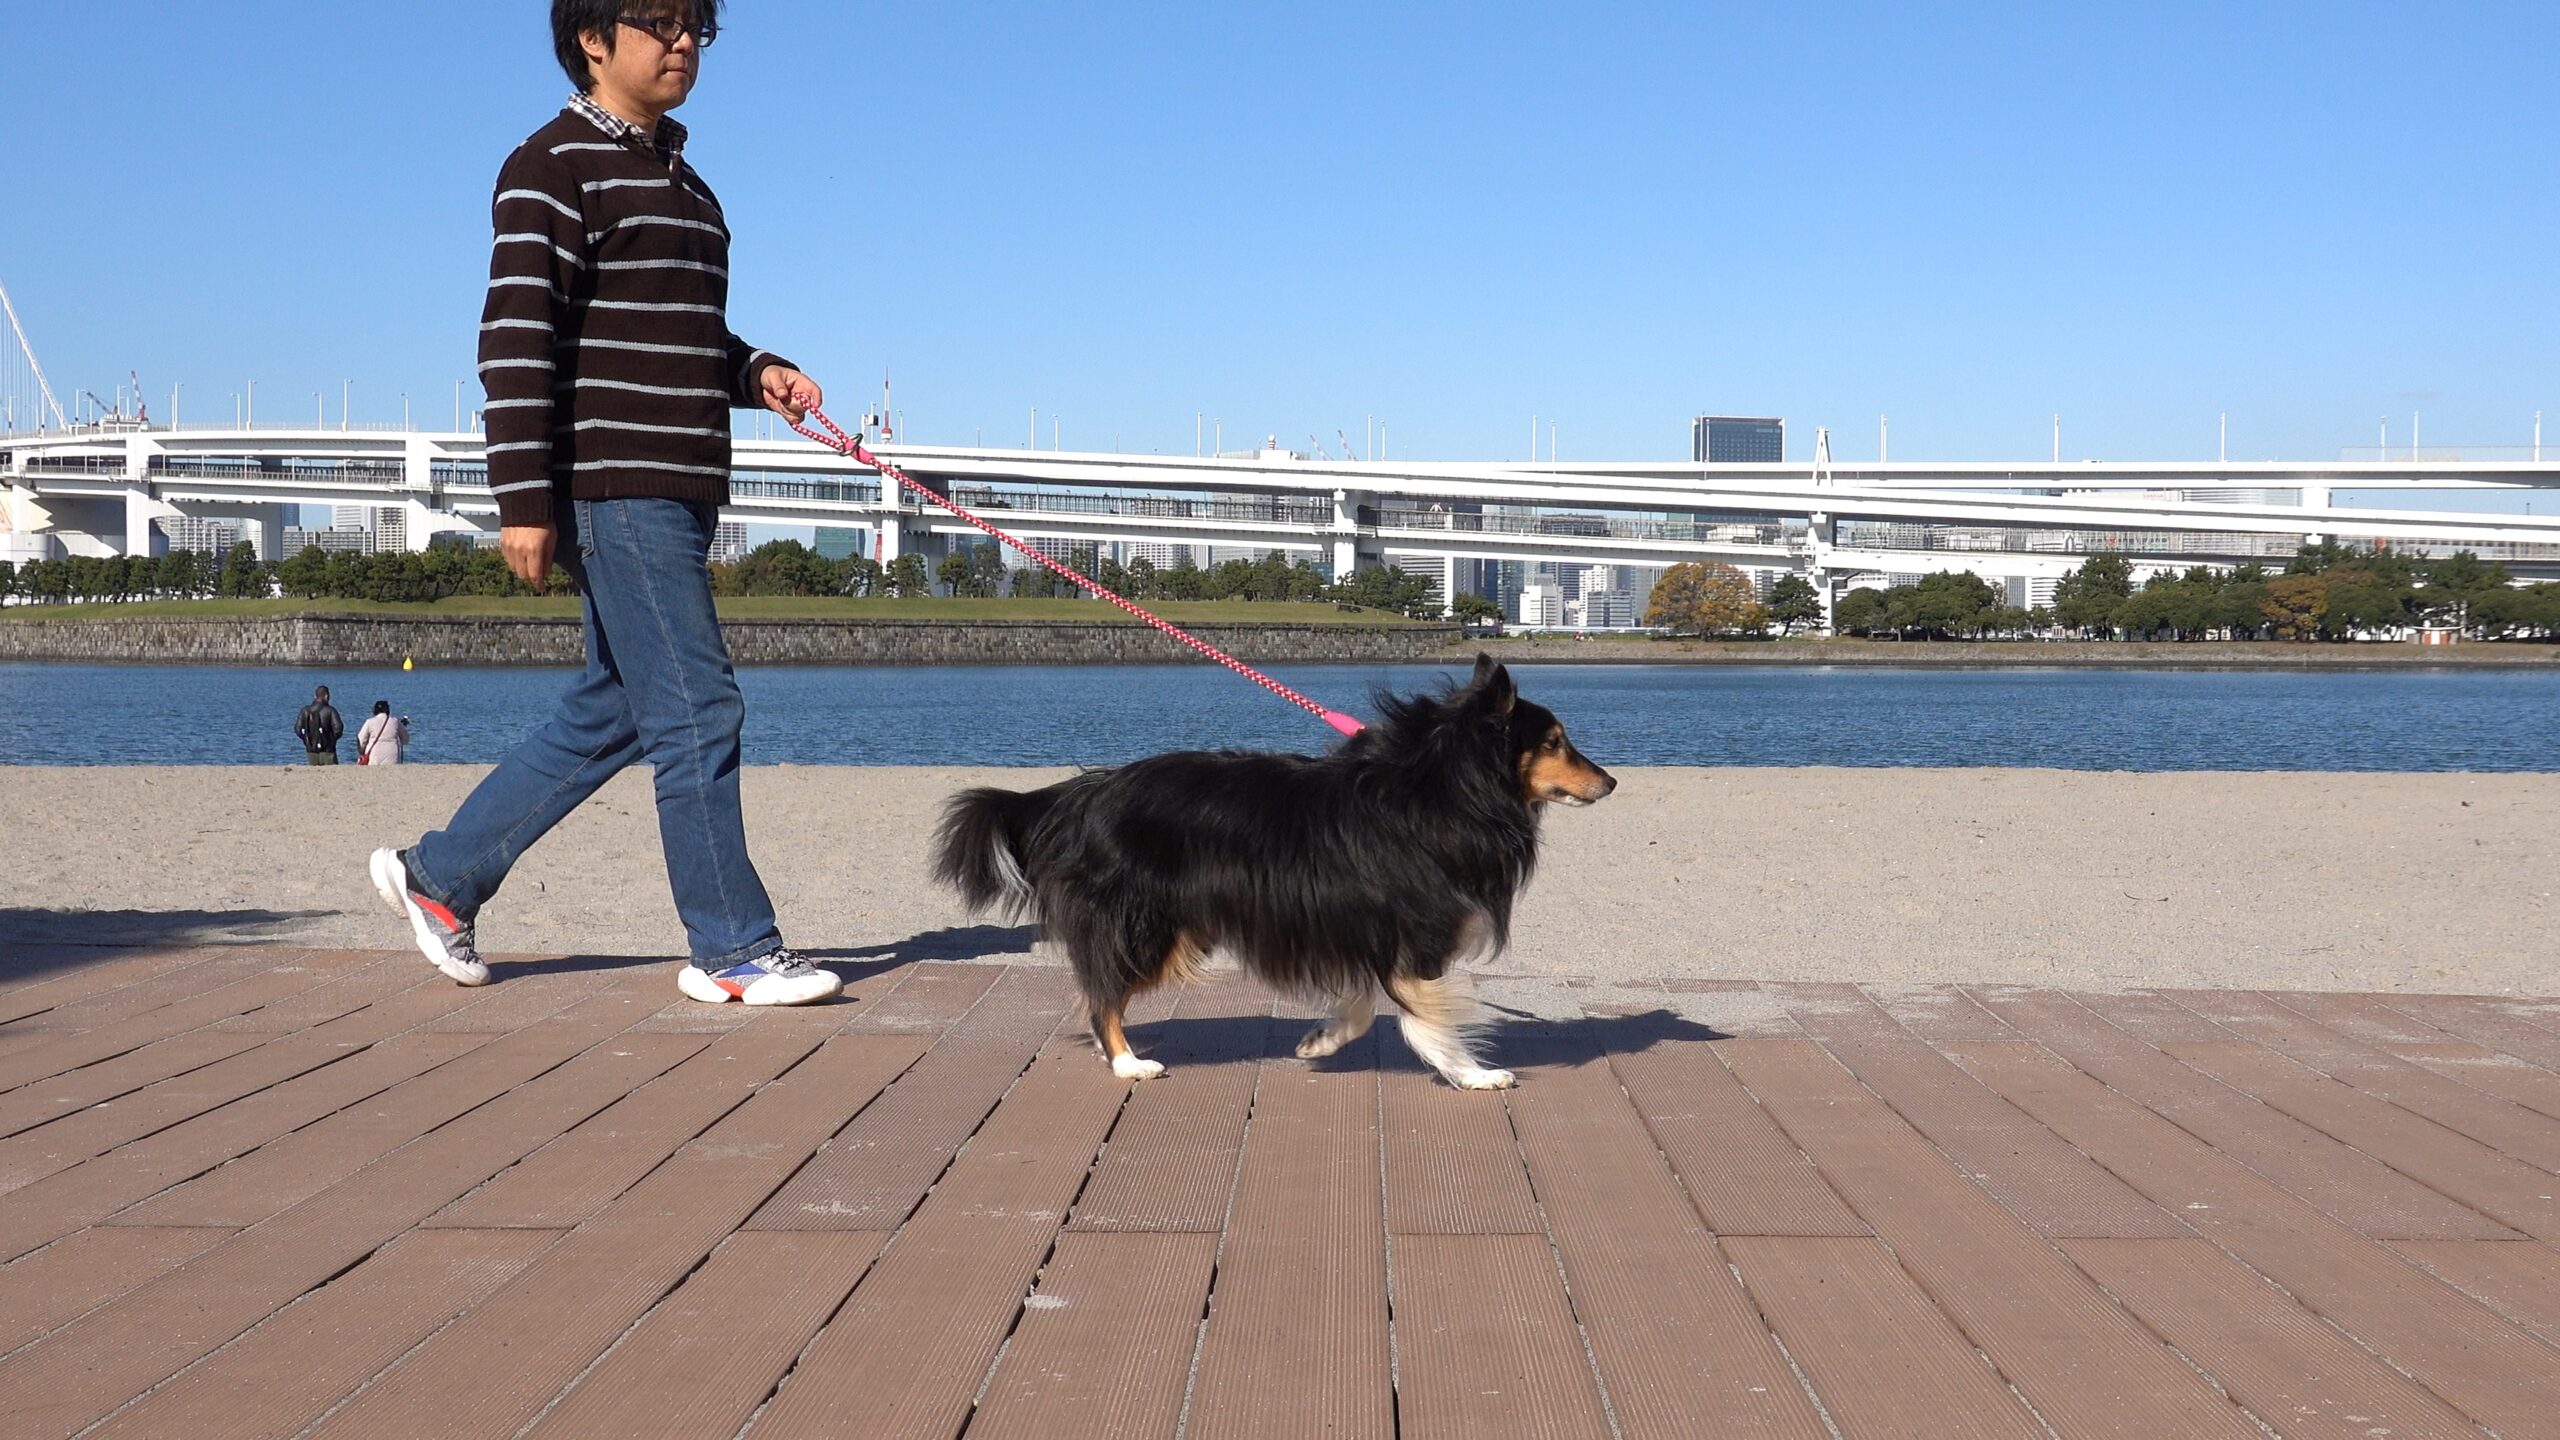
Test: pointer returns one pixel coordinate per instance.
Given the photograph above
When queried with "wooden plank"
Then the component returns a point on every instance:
(2300, 1376)
(1938, 1013)
(125, 984)
(2490, 1371)
(88, 1192)
(2098, 1034)
(305, 1163)
(2525, 1134)
(56, 1096)
(2081, 1361)
(1296, 1339)
(493, 1370)
(570, 1179)
(43, 1292)
(44, 982)
(1883, 1358)
(273, 1381)
(82, 1372)
(1485, 1344)
(1742, 1172)
(710, 1353)
(1171, 1164)
(2502, 1024)
(2055, 1189)
(165, 1103)
(360, 978)
(1103, 1349)
(871, 1176)
(2493, 1183)
(895, 1362)
(2516, 1278)
(1672, 1332)
(1451, 1165)
(88, 1047)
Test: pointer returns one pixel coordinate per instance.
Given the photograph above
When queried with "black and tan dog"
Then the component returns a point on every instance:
(1382, 865)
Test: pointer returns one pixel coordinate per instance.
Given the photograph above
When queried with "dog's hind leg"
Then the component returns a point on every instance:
(1115, 1044)
(1435, 1020)
(1352, 1014)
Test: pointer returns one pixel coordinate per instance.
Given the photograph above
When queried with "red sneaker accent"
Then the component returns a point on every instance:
(734, 987)
(443, 916)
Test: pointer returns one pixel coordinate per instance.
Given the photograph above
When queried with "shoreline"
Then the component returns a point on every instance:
(2087, 880)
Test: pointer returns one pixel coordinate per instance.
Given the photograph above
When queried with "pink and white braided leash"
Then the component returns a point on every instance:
(836, 439)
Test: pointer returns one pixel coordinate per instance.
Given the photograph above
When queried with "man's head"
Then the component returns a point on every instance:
(617, 50)
(321, 694)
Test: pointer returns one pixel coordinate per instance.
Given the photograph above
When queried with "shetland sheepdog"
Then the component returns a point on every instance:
(1380, 866)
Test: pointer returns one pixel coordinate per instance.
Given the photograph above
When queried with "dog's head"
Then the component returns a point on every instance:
(1549, 768)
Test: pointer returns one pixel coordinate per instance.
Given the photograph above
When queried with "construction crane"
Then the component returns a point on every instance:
(43, 387)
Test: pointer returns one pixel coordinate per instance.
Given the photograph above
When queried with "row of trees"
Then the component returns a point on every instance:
(787, 567)
(1709, 597)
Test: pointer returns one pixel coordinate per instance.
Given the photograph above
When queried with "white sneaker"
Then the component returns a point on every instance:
(781, 978)
(441, 937)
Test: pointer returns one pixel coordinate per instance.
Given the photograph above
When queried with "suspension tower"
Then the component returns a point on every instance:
(43, 396)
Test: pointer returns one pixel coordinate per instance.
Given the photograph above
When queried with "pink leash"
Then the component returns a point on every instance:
(852, 445)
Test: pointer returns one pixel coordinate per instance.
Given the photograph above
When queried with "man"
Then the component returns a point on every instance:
(611, 371)
(318, 727)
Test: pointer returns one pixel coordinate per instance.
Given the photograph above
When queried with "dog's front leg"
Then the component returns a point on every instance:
(1352, 1015)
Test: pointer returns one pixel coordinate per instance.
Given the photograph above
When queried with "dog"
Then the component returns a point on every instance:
(1380, 866)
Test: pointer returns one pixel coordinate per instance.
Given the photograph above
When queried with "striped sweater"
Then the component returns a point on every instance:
(604, 345)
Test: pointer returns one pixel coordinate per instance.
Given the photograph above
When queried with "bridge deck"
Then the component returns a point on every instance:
(283, 1192)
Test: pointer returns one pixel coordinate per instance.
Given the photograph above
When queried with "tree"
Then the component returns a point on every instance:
(907, 577)
(2295, 605)
(953, 572)
(2086, 599)
(1793, 601)
(1860, 612)
(1475, 610)
(306, 576)
(8, 580)
(1705, 597)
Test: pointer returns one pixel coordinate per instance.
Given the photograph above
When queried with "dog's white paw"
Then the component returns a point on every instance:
(1318, 1043)
(1484, 1079)
(1130, 1067)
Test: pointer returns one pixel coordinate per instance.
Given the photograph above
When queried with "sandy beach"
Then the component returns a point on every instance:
(2296, 881)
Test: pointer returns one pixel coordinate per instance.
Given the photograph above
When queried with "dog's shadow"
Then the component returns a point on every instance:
(1511, 1039)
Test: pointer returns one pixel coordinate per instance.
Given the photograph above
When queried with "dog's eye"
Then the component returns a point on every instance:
(1553, 742)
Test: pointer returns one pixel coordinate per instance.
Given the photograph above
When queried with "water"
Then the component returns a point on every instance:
(1620, 714)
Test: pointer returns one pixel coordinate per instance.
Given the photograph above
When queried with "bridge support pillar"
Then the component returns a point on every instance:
(142, 540)
(270, 537)
(1355, 545)
(1822, 537)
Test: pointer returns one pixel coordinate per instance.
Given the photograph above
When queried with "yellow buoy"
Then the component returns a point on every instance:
(408, 664)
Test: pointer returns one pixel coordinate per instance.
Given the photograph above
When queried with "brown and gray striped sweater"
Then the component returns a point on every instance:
(605, 347)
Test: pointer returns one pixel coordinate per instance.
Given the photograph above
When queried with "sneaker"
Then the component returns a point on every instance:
(781, 978)
(442, 938)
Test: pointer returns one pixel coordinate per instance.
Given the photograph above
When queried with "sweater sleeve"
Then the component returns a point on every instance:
(747, 365)
(538, 254)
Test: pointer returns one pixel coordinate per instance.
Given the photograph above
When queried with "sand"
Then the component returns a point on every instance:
(2293, 881)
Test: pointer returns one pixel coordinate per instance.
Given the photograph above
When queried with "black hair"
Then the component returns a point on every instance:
(573, 18)
(381, 707)
(320, 692)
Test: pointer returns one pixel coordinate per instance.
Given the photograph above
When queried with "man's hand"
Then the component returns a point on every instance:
(789, 393)
(528, 551)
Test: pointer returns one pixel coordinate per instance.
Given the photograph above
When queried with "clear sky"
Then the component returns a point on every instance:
(1452, 216)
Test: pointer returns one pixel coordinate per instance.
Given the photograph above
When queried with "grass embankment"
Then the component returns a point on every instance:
(744, 607)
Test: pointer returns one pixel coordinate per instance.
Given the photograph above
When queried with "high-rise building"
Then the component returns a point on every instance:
(390, 529)
(729, 542)
(205, 537)
(1541, 606)
(1164, 557)
(840, 542)
(1738, 440)
(332, 541)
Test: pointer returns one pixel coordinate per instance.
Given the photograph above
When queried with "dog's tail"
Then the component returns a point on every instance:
(983, 843)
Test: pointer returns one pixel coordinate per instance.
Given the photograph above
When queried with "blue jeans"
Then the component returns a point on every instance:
(657, 687)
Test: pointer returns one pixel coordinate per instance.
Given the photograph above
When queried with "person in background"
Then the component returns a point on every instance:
(319, 728)
(382, 737)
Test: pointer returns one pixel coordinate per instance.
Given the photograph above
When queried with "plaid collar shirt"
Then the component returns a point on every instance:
(667, 144)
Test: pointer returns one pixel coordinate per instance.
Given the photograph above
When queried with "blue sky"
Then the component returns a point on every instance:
(1292, 217)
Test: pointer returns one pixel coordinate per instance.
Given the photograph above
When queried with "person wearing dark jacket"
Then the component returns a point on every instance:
(611, 372)
(318, 728)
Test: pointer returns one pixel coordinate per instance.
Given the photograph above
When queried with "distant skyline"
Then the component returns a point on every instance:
(1451, 218)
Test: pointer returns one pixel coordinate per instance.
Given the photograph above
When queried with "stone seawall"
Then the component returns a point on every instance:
(504, 640)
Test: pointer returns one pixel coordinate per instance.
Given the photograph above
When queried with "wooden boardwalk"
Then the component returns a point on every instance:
(279, 1193)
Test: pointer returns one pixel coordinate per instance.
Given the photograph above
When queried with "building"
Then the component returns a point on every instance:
(729, 542)
(1611, 609)
(1738, 440)
(841, 542)
(332, 541)
(1164, 557)
(390, 529)
(206, 537)
(1541, 606)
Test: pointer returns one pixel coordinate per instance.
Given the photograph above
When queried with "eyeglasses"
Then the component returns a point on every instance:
(669, 30)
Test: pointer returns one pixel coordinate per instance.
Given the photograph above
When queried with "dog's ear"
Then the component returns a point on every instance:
(1491, 687)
